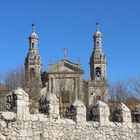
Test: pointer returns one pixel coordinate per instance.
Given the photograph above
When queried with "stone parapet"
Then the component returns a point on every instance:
(21, 125)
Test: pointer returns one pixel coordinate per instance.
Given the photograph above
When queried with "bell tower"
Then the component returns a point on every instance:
(98, 58)
(98, 86)
(33, 62)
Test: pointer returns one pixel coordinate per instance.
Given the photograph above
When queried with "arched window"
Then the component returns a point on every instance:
(98, 72)
(33, 45)
(32, 73)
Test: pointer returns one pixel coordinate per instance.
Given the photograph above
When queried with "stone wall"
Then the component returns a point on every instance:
(21, 125)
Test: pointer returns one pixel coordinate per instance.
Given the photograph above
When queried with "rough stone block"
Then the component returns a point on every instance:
(8, 116)
(3, 124)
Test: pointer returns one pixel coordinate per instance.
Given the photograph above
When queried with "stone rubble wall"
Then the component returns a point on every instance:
(65, 129)
(21, 125)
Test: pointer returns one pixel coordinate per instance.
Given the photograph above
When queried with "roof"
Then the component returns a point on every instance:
(98, 34)
(4, 87)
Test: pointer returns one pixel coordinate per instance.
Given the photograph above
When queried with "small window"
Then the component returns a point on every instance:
(32, 73)
(98, 72)
(32, 45)
(97, 43)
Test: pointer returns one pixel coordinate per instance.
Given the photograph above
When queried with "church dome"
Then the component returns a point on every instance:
(33, 35)
(98, 34)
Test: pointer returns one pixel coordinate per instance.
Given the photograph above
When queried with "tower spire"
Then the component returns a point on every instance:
(33, 28)
(97, 26)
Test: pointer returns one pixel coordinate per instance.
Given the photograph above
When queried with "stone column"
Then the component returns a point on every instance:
(49, 84)
(76, 88)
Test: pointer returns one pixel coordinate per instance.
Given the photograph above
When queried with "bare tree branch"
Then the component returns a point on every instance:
(14, 78)
(135, 85)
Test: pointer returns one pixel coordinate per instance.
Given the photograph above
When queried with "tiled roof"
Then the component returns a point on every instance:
(4, 87)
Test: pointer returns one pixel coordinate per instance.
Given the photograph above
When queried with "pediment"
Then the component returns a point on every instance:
(64, 67)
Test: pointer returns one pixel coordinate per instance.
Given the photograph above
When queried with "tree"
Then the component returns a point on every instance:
(123, 91)
(14, 78)
(33, 88)
(119, 92)
(135, 85)
(1, 77)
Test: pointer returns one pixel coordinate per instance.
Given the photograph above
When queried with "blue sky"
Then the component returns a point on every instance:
(71, 23)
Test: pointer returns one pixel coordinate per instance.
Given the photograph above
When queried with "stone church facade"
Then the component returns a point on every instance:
(65, 77)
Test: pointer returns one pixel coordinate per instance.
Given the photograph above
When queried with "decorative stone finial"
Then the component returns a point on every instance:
(79, 63)
(65, 55)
